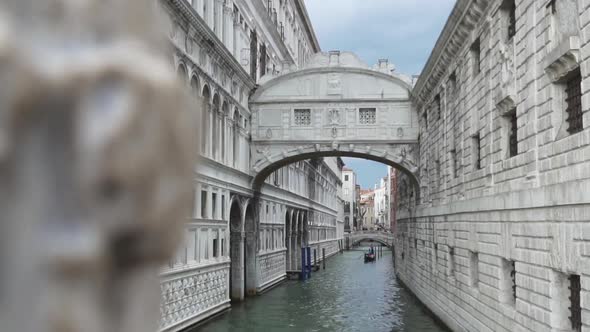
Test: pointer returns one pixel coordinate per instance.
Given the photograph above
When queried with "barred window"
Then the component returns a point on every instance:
(575, 308)
(302, 117)
(477, 151)
(509, 8)
(573, 93)
(476, 55)
(437, 106)
(512, 136)
(367, 116)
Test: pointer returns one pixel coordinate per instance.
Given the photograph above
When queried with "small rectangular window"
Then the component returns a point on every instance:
(215, 249)
(508, 10)
(476, 56)
(203, 204)
(451, 262)
(474, 266)
(437, 106)
(346, 178)
(222, 207)
(575, 307)
(452, 84)
(573, 99)
(513, 133)
(214, 206)
(425, 117)
(367, 116)
(476, 141)
(302, 117)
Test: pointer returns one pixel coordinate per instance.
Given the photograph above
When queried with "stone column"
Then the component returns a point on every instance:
(237, 266)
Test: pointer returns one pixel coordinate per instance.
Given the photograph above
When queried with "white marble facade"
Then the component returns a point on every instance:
(221, 49)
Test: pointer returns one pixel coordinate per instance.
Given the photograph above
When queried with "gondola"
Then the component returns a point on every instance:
(369, 257)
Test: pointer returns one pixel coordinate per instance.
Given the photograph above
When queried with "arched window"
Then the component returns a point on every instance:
(206, 114)
(236, 133)
(215, 128)
(224, 115)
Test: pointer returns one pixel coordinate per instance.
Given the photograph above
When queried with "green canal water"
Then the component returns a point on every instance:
(348, 296)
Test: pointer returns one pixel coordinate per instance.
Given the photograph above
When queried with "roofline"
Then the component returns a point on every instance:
(315, 70)
(455, 34)
(308, 26)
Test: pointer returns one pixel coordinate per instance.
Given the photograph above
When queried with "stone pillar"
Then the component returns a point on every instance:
(209, 205)
(251, 274)
(237, 266)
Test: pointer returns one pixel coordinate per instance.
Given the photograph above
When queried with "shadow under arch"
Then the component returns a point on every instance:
(270, 167)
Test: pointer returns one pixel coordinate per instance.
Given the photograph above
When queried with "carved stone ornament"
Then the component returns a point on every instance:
(99, 146)
(334, 84)
(269, 133)
(334, 116)
(506, 55)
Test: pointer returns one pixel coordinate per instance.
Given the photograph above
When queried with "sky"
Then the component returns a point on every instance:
(403, 31)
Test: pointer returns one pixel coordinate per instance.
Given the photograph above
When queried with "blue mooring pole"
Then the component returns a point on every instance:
(308, 249)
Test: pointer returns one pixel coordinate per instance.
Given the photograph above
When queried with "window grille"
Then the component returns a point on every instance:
(368, 116)
(573, 93)
(476, 53)
(455, 162)
(477, 151)
(512, 20)
(513, 135)
(513, 277)
(303, 117)
(437, 106)
(575, 308)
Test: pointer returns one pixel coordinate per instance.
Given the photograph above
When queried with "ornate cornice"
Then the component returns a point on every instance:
(210, 41)
(456, 33)
(300, 5)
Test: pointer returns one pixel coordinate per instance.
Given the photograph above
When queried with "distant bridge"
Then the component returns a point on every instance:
(353, 239)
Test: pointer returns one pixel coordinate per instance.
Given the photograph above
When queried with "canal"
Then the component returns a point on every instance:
(348, 296)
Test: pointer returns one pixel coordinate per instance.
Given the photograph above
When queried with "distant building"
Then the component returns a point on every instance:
(349, 198)
(381, 209)
(367, 209)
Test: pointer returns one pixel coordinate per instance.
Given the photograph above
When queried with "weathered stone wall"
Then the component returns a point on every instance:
(457, 249)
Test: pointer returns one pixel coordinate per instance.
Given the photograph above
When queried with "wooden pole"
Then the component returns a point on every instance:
(324, 258)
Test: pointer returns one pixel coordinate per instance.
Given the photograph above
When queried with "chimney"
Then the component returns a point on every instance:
(334, 58)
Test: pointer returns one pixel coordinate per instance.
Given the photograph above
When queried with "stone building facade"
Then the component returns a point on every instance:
(497, 236)
(350, 198)
(240, 241)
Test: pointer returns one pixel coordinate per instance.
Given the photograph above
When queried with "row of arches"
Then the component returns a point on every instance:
(221, 124)
(296, 237)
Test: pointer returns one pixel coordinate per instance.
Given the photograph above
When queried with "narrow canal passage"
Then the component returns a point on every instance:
(348, 296)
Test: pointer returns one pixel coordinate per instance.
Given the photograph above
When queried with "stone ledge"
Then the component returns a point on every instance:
(563, 59)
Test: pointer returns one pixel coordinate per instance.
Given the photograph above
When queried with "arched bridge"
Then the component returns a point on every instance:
(352, 239)
(335, 106)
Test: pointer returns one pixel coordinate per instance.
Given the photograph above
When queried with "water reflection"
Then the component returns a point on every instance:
(349, 295)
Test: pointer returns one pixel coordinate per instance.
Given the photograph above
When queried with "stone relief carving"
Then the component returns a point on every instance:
(334, 116)
(186, 297)
(506, 53)
(334, 84)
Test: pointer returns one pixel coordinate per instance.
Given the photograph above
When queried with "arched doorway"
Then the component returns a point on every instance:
(236, 248)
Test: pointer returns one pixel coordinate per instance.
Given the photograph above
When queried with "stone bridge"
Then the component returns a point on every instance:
(335, 106)
(352, 239)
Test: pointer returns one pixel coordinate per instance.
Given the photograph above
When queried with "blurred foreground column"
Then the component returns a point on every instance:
(96, 159)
